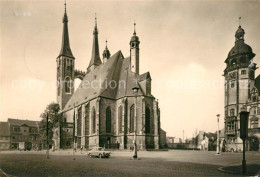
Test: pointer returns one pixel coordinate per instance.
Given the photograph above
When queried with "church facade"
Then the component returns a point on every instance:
(242, 90)
(104, 110)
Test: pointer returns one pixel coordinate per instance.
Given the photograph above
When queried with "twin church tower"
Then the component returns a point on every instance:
(105, 110)
(66, 73)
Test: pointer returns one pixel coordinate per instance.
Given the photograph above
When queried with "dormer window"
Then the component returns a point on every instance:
(243, 72)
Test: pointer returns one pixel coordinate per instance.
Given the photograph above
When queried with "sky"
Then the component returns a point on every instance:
(183, 45)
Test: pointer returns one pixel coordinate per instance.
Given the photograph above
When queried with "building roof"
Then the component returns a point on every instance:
(240, 48)
(20, 122)
(4, 129)
(257, 83)
(112, 79)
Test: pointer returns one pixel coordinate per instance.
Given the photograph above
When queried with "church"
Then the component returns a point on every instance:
(113, 107)
(242, 90)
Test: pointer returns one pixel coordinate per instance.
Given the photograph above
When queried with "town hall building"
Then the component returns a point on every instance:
(113, 105)
(242, 90)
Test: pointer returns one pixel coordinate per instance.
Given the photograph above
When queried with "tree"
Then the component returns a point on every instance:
(52, 110)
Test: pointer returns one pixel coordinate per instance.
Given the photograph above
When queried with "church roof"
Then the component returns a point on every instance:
(144, 76)
(113, 79)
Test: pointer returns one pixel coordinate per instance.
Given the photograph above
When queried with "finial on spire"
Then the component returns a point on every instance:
(134, 28)
(95, 20)
(65, 4)
(106, 44)
(239, 21)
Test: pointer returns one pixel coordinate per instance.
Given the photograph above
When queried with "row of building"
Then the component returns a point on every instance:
(16, 134)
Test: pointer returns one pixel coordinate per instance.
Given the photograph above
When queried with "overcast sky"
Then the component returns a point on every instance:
(183, 45)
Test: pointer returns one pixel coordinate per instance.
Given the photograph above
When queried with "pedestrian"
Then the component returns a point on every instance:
(81, 149)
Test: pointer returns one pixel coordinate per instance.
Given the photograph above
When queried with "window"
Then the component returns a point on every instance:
(67, 85)
(132, 115)
(108, 120)
(243, 72)
(232, 85)
(230, 125)
(79, 121)
(233, 62)
(254, 123)
(93, 120)
(232, 112)
(147, 120)
(254, 111)
(24, 130)
(254, 98)
(133, 44)
(120, 119)
(58, 83)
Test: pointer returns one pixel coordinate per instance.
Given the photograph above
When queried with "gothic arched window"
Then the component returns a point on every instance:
(108, 120)
(58, 85)
(93, 120)
(79, 122)
(132, 118)
(87, 119)
(120, 119)
(67, 85)
(147, 120)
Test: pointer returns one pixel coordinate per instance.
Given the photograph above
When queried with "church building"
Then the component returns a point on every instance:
(242, 91)
(113, 105)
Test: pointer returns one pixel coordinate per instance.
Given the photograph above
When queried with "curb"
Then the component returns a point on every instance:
(237, 173)
(2, 173)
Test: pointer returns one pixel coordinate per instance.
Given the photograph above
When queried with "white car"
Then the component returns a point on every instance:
(99, 152)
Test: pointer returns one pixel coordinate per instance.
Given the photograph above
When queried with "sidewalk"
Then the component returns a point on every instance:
(251, 169)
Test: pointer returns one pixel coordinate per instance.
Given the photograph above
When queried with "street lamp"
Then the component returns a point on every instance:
(135, 90)
(244, 134)
(47, 135)
(218, 115)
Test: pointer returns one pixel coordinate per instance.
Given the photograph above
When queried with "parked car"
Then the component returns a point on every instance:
(99, 152)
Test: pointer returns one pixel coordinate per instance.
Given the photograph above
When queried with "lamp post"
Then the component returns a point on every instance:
(47, 135)
(218, 115)
(243, 135)
(135, 90)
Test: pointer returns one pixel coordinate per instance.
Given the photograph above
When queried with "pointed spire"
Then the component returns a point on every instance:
(95, 28)
(65, 18)
(106, 53)
(65, 45)
(95, 58)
